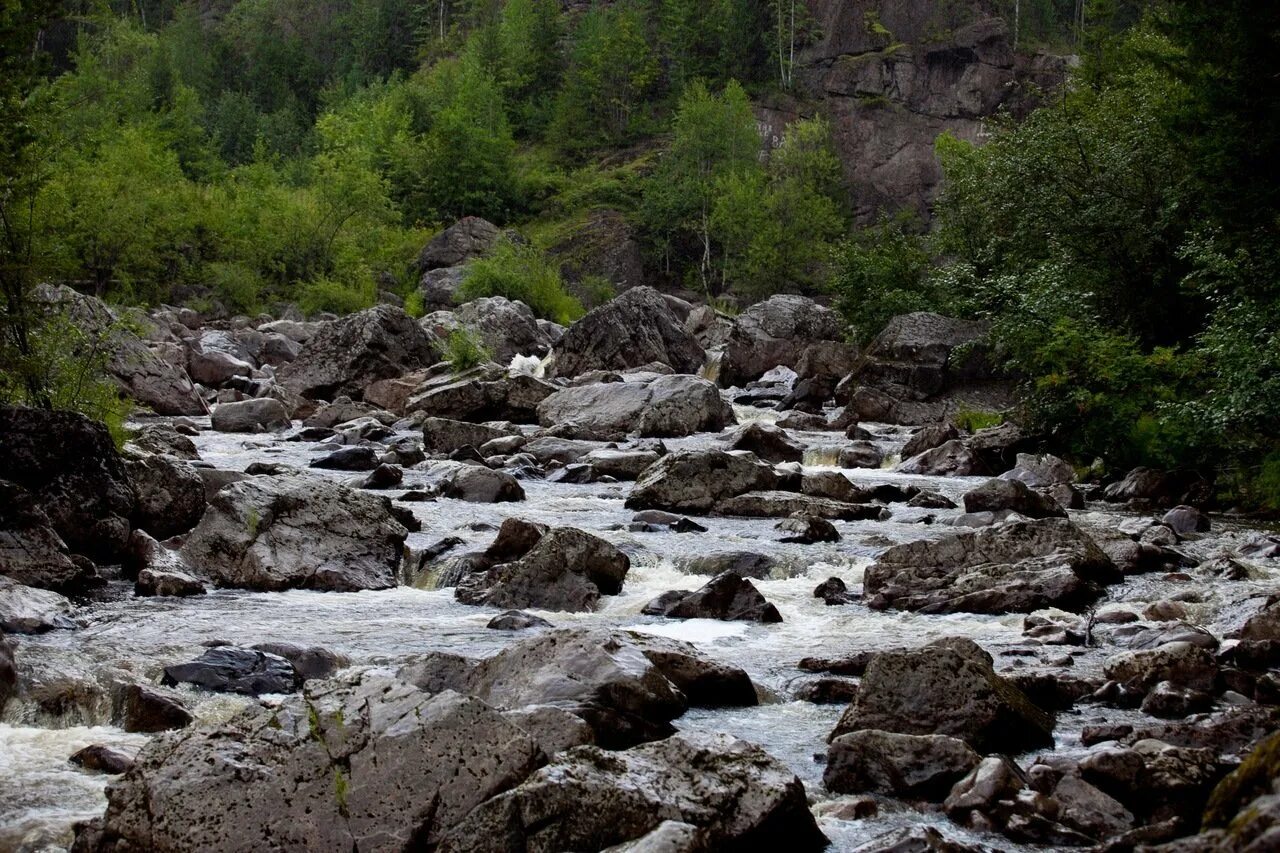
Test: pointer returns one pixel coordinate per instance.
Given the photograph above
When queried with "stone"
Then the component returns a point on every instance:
(100, 758)
(469, 238)
(727, 596)
(747, 564)
(146, 709)
(1181, 663)
(834, 591)
(377, 765)
(344, 356)
(486, 392)
(1019, 566)
(287, 532)
(76, 478)
(563, 569)
(153, 582)
(620, 464)
(474, 483)
(506, 328)
(860, 454)
(665, 406)
(950, 459)
(1011, 495)
(170, 494)
(705, 683)
(1040, 471)
(258, 415)
(589, 799)
(928, 437)
(163, 438)
(1154, 487)
(636, 328)
(230, 670)
(28, 610)
(808, 529)
(900, 765)
(517, 620)
(308, 661)
(768, 442)
(779, 504)
(1186, 519)
(31, 553)
(941, 691)
(358, 458)
(778, 331)
(695, 481)
(442, 436)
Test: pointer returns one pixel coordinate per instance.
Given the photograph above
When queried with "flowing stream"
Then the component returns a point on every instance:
(42, 795)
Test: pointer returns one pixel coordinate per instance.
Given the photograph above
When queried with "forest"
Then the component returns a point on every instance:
(235, 157)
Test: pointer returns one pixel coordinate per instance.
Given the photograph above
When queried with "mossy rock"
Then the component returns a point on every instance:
(1254, 778)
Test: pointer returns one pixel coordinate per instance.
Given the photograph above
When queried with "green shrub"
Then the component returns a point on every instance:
(236, 285)
(328, 295)
(595, 290)
(415, 304)
(463, 350)
(973, 420)
(521, 273)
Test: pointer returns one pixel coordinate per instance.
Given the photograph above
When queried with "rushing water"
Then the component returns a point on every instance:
(41, 795)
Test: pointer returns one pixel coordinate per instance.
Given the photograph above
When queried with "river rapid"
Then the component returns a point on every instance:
(42, 795)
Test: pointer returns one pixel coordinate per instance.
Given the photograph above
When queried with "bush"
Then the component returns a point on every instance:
(328, 295)
(463, 350)
(882, 272)
(521, 273)
(972, 420)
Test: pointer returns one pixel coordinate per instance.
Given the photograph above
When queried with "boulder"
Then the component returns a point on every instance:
(928, 437)
(163, 438)
(308, 661)
(696, 480)
(224, 669)
(70, 466)
(940, 691)
(603, 246)
(359, 458)
(28, 610)
(8, 672)
(777, 331)
(860, 454)
(213, 358)
(706, 683)
(807, 529)
(664, 406)
(1181, 663)
(346, 355)
(588, 799)
(921, 355)
(768, 442)
(633, 330)
(149, 709)
(777, 504)
(378, 765)
(507, 329)
(899, 765)
(286, 532)
(100, 758)
(620, 464)
(486, 392)
(258, 415)
(469, 238)
(517, 620)
(727, 596)
(1040, 471)
(747, 564)
(1153, 487)
(1002, 495)
(170, 494)
(152, 582)
(442, 436)
(562, 569)
(949, 459)
(1020, 566)
(31, 552)
(1184, 520)
(474, 483)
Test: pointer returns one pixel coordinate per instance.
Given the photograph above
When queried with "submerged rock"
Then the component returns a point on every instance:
(727, 596)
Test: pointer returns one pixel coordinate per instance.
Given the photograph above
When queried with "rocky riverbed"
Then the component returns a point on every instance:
(780, 622)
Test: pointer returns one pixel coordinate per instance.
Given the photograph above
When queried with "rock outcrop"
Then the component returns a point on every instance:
(346, 355)
(633, 330)
(783, 330)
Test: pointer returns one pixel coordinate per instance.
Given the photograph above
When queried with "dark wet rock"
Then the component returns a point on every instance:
(230, 670)
(808, 529)
(153, 582)
(860, 454)
(309, 661)
(928, 437)
(1186, 519)
(665, 406)
(69, 466)
(147, 709)
(911, 766)
(1172, 701)
(362, 458)
(727, 596)
(1015, 567)
(469, 238)
(739, 796)
(170, 494)
(833, 485)
(100, 758)
(258, 415)
(346, 355)
(517, 620)
(696, 480)
(384, 477)
(706, 683)
(1263, 625)
(474, 483)
(1153, 488)
(8, 671)
(442, 436)
(273, 533)
(766, 441)
(777, 504)
(998, 447)
(164, 438)
(562, 569)
(28, 610)
(942, 691)
(827, 691)
(950, 459)
(633, 330)
(1014, 496)
(931, 500)
(31, 552)
(747, 564)
(374, 765)
(780, 331)
(620, 464)
(834, 591)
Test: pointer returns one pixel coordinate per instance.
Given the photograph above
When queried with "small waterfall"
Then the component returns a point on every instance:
(826, 456)
(711, 370)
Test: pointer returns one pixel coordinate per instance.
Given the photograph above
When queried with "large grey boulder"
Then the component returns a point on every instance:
(442, 436)
(561, 569)
(506, 328)
(1000, 495)
(633, 330)
(31, 551)
(770, 443)
(262, 414)
(486, 392)
(777, 331)
(952, 458)
(170, 494)
(663, 406)
(697, 480)
(69, 464)
(376, 766)
(942, 691)
(290, 532)
(142, 375)
(214, 357)
(346, 355)
(899, 765)
(1017, 567)
(474, 483)
(28, 610)
(728, 597)
(468, 238)
(588, 799)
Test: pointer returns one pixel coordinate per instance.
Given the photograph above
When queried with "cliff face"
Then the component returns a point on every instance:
(894, 74)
